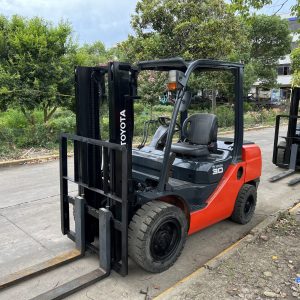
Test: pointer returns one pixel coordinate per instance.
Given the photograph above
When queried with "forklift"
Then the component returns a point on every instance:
(143, 203)
(286, 153)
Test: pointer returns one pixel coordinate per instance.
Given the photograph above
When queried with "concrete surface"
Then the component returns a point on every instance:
(30, 232)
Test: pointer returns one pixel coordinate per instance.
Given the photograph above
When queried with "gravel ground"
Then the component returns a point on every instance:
(266, 268)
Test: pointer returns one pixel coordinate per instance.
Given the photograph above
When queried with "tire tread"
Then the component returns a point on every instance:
(138, 232)
(237, 215)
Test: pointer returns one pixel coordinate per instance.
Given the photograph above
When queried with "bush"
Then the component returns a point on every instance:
(163, 108)
(248, 107)
(139, 108)
(225, 116)
(105, 128)
(34, 136)
(264, 116)
(61, 124)
(16, 131)
(12, 119)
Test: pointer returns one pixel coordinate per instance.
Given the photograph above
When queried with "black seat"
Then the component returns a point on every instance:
(200, 132)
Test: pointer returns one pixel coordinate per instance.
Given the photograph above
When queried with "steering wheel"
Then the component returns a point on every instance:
(165, 121)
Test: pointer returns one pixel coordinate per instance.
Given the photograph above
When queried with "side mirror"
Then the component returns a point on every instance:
(186, 101)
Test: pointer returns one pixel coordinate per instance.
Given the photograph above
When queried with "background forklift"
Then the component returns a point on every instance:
(144, 202)
(286, 153)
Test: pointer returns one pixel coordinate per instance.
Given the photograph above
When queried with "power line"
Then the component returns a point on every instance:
(281, 6)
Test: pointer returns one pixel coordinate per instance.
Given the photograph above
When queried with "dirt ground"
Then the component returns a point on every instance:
(267, 268)
(27, 153)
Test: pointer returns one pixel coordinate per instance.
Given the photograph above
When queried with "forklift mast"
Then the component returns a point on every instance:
(122, 86)
(294, 112)
(102, 182)
(286, 154)
(291, 137)
(102, 172)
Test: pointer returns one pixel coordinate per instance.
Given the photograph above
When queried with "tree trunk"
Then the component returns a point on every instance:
(48, 115)
(214, 101)
(45, 113)
(29, 117)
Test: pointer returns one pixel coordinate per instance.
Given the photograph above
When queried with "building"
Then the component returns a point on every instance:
(284, 77)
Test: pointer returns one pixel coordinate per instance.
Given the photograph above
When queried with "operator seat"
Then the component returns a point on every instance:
(200, 132)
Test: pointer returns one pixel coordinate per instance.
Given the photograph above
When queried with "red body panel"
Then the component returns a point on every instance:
(221, 202)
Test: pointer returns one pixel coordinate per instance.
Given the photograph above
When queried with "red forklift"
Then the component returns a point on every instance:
(143, 203)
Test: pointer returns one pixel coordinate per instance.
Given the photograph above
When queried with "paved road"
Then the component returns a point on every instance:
(30, 232)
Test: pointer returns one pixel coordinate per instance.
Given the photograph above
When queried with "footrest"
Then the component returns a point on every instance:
(73, 286)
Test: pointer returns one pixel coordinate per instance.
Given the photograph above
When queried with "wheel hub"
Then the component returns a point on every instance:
(248, 205)
(165, 239)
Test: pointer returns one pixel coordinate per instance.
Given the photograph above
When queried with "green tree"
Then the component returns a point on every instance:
(295, 57)
(244, 6)
(38, 59)
(296, 9)
(92, 55)
(209, 29)
(270, 40)
(187, 28)
(152, 85)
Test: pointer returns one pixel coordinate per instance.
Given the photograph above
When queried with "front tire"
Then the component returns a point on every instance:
(245, 204)
(156, 236)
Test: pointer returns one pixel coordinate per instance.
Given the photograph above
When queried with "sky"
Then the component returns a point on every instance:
(92, 20)
(280, 7)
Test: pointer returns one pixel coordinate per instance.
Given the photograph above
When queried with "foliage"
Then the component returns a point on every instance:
(250, 76)
(210, 29)
(225, 116)
(270, 40)
(16, 131)
(248, 107)
(295, 57)
(36, 66)
(244, 6)
(191, 29)
(37, 62)
(296, 9)
(263, 116)
(151, 86)
(93, 54)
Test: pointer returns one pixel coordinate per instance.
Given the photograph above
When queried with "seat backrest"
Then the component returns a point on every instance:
(201, 129)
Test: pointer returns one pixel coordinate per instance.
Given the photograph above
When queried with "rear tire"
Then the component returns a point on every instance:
(245, 204)
(156, 236)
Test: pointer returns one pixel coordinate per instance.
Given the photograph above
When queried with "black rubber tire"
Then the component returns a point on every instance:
(144, 227)
(281, 152)
(242, 212)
